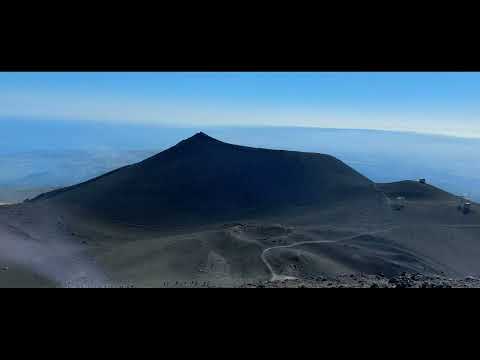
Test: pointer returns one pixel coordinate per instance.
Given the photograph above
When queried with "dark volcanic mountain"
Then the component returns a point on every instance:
(202, 177)
(207, 212)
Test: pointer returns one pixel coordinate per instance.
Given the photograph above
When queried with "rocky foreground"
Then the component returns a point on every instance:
(404, 280)
(372, 281)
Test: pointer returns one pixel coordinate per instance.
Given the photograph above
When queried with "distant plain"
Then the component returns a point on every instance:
(35, 158)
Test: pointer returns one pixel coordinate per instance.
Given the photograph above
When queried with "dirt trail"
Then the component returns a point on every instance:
(277, 277)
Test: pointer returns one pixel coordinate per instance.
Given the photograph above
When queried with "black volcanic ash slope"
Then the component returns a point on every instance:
(202, 177)
(413, 190)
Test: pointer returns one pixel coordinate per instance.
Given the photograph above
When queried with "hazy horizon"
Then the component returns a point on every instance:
(31, 134)
(52, 154)
(442, 103)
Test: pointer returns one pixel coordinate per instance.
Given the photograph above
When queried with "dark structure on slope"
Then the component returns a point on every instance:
(202, 178)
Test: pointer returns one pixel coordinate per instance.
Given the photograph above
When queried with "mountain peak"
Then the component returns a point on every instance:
(201, 134)
(200, 137)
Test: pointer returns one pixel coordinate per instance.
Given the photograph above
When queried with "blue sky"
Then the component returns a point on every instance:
(438, 103)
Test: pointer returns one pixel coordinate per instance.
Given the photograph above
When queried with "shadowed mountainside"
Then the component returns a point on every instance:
(203, 178)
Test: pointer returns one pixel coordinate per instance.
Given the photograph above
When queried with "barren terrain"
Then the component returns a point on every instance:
(206, 214)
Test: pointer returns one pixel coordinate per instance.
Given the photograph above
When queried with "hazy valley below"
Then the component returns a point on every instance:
(47, 163)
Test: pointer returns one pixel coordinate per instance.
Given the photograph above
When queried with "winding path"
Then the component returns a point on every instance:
(277, 277)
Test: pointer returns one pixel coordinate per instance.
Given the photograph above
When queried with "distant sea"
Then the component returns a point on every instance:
(38, 152)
